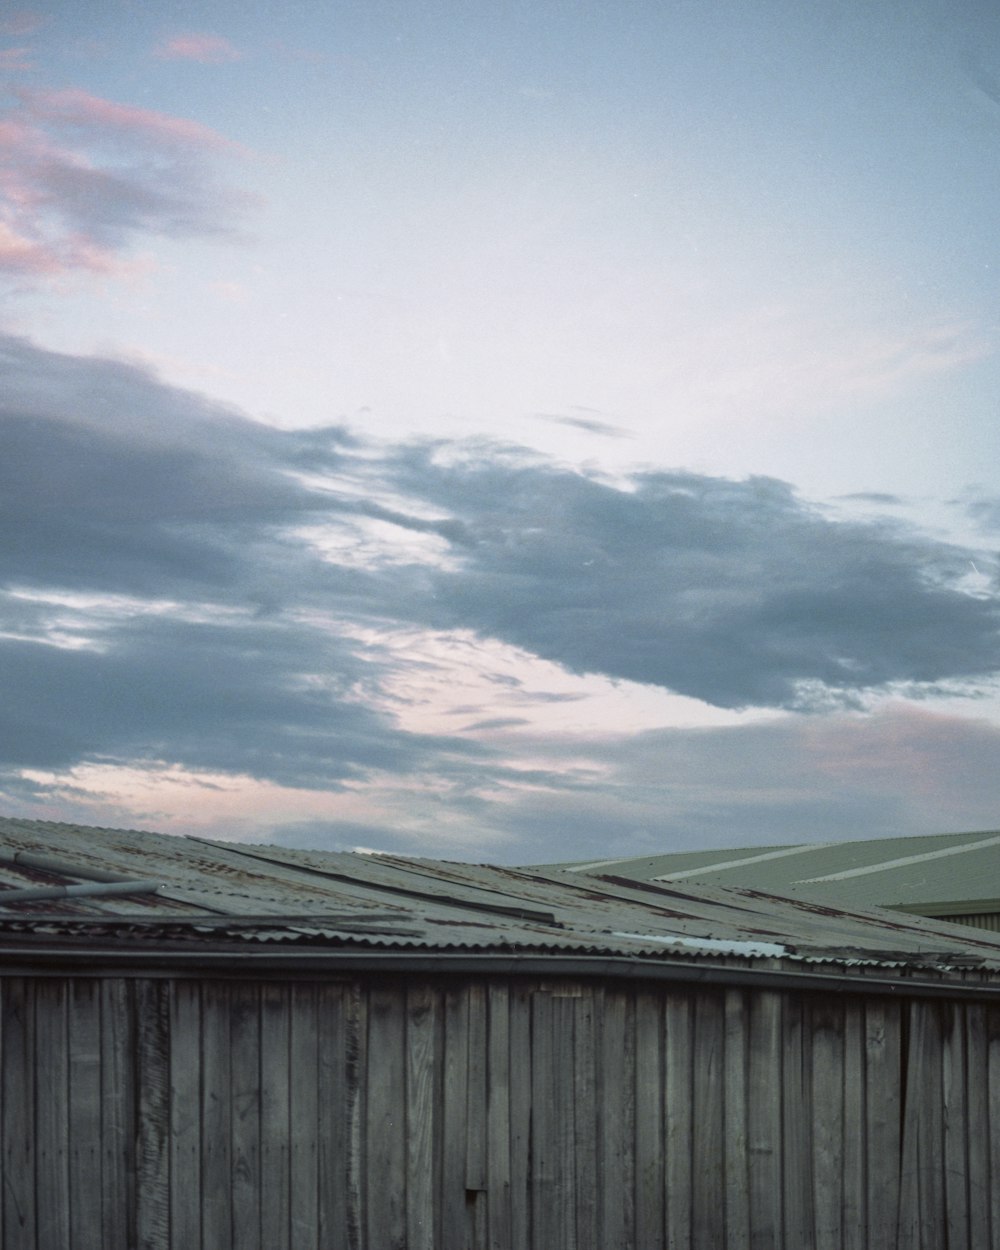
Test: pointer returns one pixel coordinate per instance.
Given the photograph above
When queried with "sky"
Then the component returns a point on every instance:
(501, 431)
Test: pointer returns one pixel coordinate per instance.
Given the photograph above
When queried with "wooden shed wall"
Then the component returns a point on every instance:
(534, 1115)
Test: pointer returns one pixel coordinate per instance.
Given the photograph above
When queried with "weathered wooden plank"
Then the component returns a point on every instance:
(650, 1185)
(708, 1211)
(386, 1116)
(85, 1113)
(977, 1102)
(334, 1130)
(216, 1153)
(678, 1047)
(585, 1109)
(185, 1115)
(827, 1074)
(421, 1090)
(854, 1153)
(117, 1115)
(553, 1135)
(796, 1122)
(931, 1124)
(303, 1074)
(884, 1077)
(152, 1164)
(453, 1118)
(3, 1158)
(736, 1135)
(355, 1007)
(992, 1100)
(764, 1077)
(275, 1117)
(921, 1206)
(499, 1119)
(519, 1009)
(617, 1117)
(476, 1095)
(18, 1131)
(245, 1109)
(51, 1113)
(956, 1124)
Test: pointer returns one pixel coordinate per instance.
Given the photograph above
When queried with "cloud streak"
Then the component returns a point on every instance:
(197, 46)
(85, 178)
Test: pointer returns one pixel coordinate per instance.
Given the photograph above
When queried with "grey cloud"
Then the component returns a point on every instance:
(275, 701)
(737, 593)
(113, 484)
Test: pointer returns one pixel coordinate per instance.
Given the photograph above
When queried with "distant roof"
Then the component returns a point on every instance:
(66, 886)
(941, 874)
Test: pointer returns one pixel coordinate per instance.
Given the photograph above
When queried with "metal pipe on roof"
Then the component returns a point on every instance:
(52, 863)
(92, 890)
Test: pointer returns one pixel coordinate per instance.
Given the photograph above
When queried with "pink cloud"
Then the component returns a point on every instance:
(23, 22)
(80, 109)
(203, 48)
(14, 59)
(67, 205)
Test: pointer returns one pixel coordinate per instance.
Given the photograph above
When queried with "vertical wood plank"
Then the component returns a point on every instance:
(827, 1059)
(499, 1119)
(453, 1135)
(977, 1102)
(18, 1129)
(764, 1093)
(884, 1083)
(736, 1154)
(553, 1126)
(796, 1122)
(519, 1023)
(245, 1110)
(421, 1091)
(275, 1117)
(216, 1117)
(51, 1113)
(152, 1165)
(85, 1114)
(304, 1115)
(649, 1175)
(334, 1120)
(956, 1124)
(585, 1108)
(617, 1106)
(708, 1211)
(386, 1159)
(931, 1125)
(992, 1100)
(355, 1007)
(854, 1147)
(678, 1076)
(185, 1115)
(117, 1115)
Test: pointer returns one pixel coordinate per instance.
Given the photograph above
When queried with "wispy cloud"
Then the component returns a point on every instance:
(15, 59)
(84, 178)
(199, 46)
(22, 22)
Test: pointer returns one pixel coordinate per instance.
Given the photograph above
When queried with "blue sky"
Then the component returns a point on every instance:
(508, 431)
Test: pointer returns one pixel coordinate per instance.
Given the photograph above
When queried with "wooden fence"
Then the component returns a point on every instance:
(509, 1113)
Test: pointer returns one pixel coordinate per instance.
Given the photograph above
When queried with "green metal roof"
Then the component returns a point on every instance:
(939, 874)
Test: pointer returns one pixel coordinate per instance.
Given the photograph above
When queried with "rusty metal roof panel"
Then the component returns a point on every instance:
(212, 892)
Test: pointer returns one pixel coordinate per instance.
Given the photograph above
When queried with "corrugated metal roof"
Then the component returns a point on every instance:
(218, 892)
(931, 874)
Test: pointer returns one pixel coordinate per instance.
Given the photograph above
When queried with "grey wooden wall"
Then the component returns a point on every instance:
(523, 1114)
